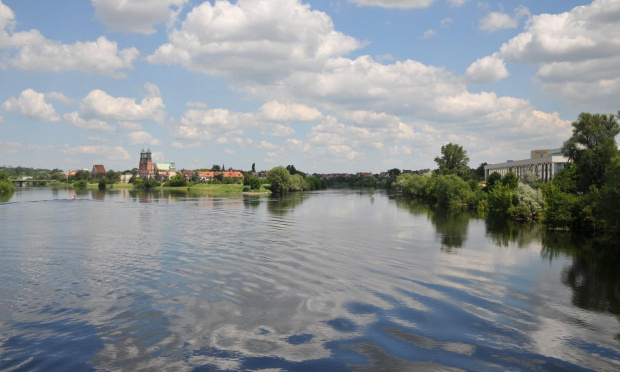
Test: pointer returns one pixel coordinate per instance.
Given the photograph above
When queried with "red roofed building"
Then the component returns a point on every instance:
(98, 171)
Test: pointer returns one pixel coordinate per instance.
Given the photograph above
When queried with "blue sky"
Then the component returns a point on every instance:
(329, 86)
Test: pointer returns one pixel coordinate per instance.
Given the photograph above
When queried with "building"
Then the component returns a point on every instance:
(148, 169)
(544, 164)
(98, 171)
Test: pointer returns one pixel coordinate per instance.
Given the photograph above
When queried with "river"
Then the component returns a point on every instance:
(337, 280)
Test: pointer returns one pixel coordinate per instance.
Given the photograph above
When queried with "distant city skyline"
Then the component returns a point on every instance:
(329, 86)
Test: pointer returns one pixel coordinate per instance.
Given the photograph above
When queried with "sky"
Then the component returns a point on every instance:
(328, 86)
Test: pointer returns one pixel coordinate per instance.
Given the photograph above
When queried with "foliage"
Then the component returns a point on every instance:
(413, 185)
(80, 185)
(279, 179)
(177, 180)
(609, 197)
(145, 184)
(530, 200)
(492, 180)
(394, 172)
(501, 198)
(592, 146)
(254, 183)
(6, 186)
(559, 206)
(298, 183)
(4, 176)
(448, 190)
(479, 172)
(291, 169)
(511, 180)
(531, 180)
(454, 160)
(316, 183)
(566, 179)
(216, 168)
(79, 176)
(102, 184)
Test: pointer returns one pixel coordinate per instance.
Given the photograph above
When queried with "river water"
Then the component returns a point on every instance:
(330, 281)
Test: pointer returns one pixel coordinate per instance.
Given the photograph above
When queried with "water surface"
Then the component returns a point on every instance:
(330, 281)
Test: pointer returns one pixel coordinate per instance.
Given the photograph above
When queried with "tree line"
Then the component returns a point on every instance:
(582, 197)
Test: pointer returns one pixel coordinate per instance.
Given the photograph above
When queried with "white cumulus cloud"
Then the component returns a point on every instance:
(31, 51)
(136, 15)
(253, 40)
(32, 104)
(576, 52)
(487, 70)
(142, 138)
(99, 104)
(75, 119)
(399, 4)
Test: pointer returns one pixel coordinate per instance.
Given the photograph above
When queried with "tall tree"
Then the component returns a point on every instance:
(453, 160)
(592, 146)
(216, 168)
(253, 167)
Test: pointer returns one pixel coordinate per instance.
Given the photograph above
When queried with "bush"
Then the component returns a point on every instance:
(102, 184)
(279, 179)
(501, 198)
(80, 185)
(6, 187)
(450, 190)
(176, 181)
(558, 212)
(530, 199)
(147, 184)
(254, 183)
(413, 185)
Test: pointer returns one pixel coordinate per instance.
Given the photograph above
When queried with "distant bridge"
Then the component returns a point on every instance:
(20, 183)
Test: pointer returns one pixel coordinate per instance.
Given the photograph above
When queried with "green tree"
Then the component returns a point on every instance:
(177, 180)
(449, 190)
(492, 180)
(291, 169)
(559, 206)
(6, 186)
(453, 160)
(254, 183)
(102, 184)
(511, 180)
(394, 172)
(80, 185)
(216, 168)
(610, 196)
(479, 172)
(501, 198)
(566, 179)
(531, 180)
(195, 176)
(146, 184)
(592, 146)
(279, 179)
(253, 167)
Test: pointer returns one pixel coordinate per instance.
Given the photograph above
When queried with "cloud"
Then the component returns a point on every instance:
(129, 125)
(495, 21)
(399, 4)
(273, 117)
(456, 3)
(1, 120)
(100, 152)
(288, 112)
(58, 97)
(201, 105)
(33, 52)
(446, 22)
(142, 138)
(487, 70)
(75, 119)
(99, 104)
(252, 40)
(138, 16)
(578, 60)
(428, 34)
(33, 105)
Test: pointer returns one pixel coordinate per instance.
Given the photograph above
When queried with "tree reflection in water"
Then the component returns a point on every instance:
(285, 203)
(450, 223)
(502, 233)
(593, 274)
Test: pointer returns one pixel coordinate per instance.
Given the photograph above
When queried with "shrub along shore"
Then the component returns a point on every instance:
(583, 197)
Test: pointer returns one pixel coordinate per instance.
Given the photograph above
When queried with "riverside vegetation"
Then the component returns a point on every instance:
(583, 197)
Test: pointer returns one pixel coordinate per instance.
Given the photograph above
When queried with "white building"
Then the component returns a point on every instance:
(544, 164)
